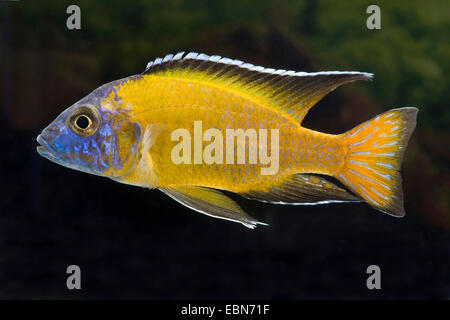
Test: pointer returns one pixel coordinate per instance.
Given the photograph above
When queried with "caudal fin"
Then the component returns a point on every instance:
(374, 156)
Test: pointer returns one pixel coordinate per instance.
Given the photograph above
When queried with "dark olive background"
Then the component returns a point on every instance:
(136, 243)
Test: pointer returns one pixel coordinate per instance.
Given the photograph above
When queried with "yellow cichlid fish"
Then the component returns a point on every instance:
(193, 125)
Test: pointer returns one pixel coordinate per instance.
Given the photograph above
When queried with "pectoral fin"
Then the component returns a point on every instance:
(210, 202)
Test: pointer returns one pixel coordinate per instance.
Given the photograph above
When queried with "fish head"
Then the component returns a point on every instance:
(95, 135)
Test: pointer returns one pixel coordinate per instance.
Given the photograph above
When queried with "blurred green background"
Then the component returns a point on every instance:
(46, 67)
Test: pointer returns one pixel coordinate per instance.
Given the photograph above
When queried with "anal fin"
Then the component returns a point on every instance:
(303, 189)
(212, 203)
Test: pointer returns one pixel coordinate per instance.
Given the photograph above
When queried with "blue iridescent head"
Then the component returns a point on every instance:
(95, 135)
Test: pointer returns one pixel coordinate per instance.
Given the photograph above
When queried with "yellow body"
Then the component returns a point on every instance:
(177, 103)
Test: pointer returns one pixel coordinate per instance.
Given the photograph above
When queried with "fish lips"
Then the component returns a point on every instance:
(45, 149)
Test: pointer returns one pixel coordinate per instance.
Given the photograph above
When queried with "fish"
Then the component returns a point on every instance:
(201, 128)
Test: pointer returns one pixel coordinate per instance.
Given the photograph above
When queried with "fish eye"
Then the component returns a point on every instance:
(84, 121)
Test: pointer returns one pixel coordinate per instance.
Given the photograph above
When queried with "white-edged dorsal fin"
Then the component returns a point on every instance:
(211, 202)
(291, 92)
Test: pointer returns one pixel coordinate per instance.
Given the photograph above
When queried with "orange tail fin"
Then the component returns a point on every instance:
(374, 156)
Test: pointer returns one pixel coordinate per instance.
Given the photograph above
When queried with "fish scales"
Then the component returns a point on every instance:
(178, 103)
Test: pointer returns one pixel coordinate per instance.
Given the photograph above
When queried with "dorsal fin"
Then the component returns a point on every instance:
(291, 92)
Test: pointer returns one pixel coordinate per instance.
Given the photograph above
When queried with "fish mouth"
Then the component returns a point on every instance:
(45, 149)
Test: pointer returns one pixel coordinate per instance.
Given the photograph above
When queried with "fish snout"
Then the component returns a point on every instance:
(45, 149)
